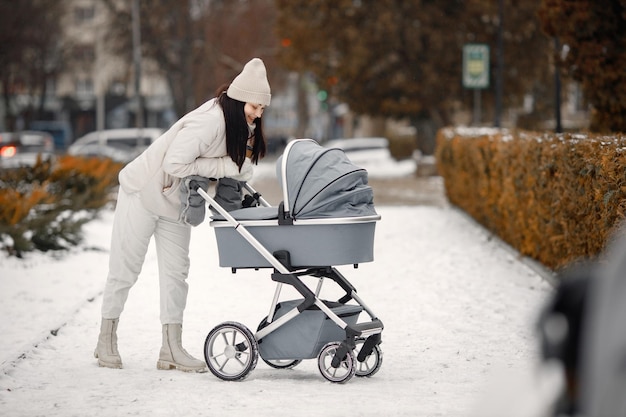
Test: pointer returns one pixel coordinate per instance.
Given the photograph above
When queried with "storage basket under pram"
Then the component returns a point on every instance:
(327, 218)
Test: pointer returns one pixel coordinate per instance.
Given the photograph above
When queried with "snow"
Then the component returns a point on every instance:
(458, 307)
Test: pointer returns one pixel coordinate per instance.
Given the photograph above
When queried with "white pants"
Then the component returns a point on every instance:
(133, 227)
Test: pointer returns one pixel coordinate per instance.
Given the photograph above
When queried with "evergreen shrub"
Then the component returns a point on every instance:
(43, 207)
(557, 198)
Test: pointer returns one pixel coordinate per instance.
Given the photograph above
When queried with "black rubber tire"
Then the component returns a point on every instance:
(372, 362)
(231, 352)
(346, 369)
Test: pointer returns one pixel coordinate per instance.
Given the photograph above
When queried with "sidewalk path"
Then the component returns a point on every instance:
(456, 306)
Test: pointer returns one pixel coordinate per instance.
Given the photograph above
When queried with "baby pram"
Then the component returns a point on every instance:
(326, 219)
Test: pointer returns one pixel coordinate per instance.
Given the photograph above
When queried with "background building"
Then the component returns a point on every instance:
(98, 92)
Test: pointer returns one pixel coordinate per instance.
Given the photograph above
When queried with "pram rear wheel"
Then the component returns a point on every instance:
(282, 363)
(231, 352)
(345, 368)
(372, 362)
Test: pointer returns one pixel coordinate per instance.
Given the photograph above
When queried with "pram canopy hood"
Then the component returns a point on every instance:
(320, 182)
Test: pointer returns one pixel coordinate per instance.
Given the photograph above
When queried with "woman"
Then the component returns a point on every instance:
(210, 141)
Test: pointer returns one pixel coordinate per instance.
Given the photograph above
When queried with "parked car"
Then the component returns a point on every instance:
(363, 149)
(22, 148)
(61, 132)
(121, 145)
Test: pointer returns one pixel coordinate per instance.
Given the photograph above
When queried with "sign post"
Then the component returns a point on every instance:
(476, 72)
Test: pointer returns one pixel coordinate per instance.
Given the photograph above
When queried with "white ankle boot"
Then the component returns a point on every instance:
(173, 356)
(106, 350)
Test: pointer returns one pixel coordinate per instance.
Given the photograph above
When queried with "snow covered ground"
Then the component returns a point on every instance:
(457, 305)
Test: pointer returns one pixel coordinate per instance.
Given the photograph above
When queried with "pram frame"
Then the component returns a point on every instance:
(284, 273)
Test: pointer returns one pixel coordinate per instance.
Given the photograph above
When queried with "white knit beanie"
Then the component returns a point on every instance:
(251, 86)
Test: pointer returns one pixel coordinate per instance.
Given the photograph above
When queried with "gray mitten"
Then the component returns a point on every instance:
(228, 194)
(193, 205)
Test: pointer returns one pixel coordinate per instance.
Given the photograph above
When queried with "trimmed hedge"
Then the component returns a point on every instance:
(555, 198)
(43, 207)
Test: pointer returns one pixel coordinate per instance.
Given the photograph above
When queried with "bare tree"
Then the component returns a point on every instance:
(397, 58)
(593, 35)
(31, 53)
(198, 45)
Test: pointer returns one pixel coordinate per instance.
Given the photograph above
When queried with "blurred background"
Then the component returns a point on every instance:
(338, 68)
(379, 78)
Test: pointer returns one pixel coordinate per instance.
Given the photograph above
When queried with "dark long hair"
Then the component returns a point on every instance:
(237, 133)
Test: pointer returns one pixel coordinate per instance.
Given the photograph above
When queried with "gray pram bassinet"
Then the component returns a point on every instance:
(327, 218)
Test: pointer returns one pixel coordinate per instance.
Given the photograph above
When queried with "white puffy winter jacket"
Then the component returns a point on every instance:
(192, 146)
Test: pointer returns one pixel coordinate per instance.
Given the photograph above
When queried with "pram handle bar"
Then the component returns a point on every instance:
(243, 232)
(258, 197)
(284, 275)
(278, 266)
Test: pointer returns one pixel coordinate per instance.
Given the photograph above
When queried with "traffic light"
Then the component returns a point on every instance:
(322, 97)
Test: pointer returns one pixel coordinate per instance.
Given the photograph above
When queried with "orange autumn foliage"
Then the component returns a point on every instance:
(554, 198)
(44, 206)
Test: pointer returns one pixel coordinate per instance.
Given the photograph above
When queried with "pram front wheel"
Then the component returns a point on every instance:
(371, 363)
(231, 352)
(343, 368)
